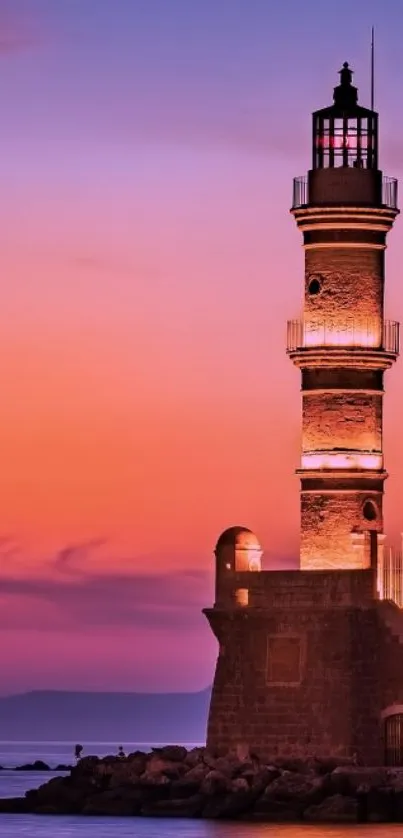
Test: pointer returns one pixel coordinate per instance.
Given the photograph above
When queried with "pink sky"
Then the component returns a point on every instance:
(149, 265)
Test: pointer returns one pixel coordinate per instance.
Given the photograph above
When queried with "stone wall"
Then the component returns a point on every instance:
(341, 420)
(328, 521)
(307, 668)
(352, 284)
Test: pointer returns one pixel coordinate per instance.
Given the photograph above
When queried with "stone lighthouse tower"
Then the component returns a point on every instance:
(343, 344)
(310, 661)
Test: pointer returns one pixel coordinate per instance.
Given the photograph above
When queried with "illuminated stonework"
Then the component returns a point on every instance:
(310, 664)
(342, 344)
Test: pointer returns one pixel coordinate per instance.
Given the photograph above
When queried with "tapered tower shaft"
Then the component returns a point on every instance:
(344, 208)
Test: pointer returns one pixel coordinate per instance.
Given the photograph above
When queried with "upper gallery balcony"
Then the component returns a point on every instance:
(336, 187)
(306, 337)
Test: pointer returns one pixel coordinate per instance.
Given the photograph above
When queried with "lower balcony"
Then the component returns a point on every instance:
(340, 460)
(351, 335)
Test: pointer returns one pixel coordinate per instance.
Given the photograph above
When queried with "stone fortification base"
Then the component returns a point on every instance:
(174, 782)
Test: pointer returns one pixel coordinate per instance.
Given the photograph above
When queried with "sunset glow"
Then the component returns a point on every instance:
(149, 265)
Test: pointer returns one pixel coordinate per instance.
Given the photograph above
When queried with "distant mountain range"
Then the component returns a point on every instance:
(152, 718)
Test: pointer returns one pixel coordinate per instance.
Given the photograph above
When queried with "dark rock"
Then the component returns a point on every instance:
(296, 787)
(189, 808)
(296, 766)
(198, 773)
(62, 767)
(194, 757)
(48, 809)
(261, 778)
(215, 783)
(346, 780)
(235, 804)
(13, 805)
(171, 753)
(60, 794)
(273, 811)
(379, 805)
(118, 802)
(217, 786)
(156, 766)
(325, 765)
(38, 765)
(290, 793)
(334, 809)
(184, 787)
(138, 761)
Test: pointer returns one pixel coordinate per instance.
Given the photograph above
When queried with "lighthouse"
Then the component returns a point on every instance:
(343, 344)
(310, 661)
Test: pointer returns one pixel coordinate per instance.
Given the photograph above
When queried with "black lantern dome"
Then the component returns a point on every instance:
(345, 135)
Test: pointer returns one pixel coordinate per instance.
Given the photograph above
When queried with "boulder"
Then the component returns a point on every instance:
(261, 778)
(171, 753)
(325, 765)
(334, 809)
(197, 774)
(185, 787)
(239, 784)
(61, 794)
(347, 779)
(395, 778)
(190, 807)
(290, 793)
(194, 757)
(116, 802)
(295, 787)
(379, 805)
(124, 773)
(156, 766)
(295, 765)
(228, 806)
(215, 783)
(86, 766)
(229, 765)
(138, 761)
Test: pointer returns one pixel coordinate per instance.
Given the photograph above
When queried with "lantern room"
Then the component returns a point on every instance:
(345, 134)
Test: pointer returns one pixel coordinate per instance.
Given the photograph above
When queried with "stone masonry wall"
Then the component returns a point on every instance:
(307, 678)
(311, 717)
(327, 524)
(353, 280)
(341, 420)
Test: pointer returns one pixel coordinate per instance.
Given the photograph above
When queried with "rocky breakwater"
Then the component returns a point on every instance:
(174, 782)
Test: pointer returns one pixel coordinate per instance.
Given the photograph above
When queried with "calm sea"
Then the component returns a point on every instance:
(34, 826)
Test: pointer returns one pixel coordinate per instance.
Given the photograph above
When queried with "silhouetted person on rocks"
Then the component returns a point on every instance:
(78, 751)
(121, 753)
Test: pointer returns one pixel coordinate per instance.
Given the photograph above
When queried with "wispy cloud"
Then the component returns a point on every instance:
(72, 593)
(71, 557)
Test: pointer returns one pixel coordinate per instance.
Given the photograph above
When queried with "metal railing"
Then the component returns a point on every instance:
(389, 192)
(390, 575)
(350, 334)
(300, 196)
(300, 192)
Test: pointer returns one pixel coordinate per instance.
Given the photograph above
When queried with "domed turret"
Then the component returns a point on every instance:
(237, 537)
(238, 549)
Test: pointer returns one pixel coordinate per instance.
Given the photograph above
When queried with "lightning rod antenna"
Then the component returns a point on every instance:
(372, 68)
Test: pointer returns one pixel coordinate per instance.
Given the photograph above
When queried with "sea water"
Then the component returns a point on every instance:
(15, 783)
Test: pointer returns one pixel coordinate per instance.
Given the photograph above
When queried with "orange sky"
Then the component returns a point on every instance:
(149, 265)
